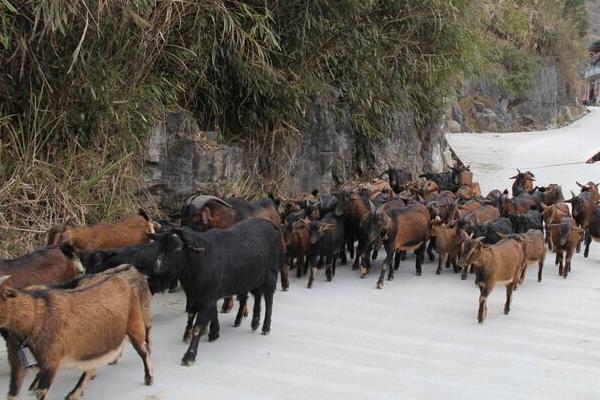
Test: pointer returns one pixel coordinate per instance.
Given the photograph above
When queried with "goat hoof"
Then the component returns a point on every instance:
(379, 285)
(438, 272)
(212, 338)
(418, 274)
(285, 289)
(506, 311)
(237, 323)
(114, 362)
(148, 381)
(188, 360)
(480, 321)
(254, 325)
(266, 332)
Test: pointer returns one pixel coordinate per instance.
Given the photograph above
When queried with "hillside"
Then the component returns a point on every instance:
(593, 10)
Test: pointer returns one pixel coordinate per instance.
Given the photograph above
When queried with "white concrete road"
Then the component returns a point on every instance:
(416, 339)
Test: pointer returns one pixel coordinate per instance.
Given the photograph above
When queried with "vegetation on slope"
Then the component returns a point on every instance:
(83, 80)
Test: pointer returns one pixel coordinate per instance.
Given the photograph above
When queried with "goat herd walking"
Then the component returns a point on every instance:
(53, 316)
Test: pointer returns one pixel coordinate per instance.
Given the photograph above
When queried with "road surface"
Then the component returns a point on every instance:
(416, 339)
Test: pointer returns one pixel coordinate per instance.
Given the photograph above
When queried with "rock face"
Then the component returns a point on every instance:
(485, 107)
(181, 161)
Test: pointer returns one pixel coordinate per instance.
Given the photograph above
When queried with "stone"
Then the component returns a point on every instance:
(453, 126)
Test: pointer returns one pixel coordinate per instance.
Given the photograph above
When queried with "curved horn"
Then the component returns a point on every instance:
(201, 200)
(579, 184)
(4, 279)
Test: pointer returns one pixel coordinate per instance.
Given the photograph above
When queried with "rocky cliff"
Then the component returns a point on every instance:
(485, 107)
(181, 160)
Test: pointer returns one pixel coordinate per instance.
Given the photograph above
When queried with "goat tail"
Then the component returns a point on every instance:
(144, 214)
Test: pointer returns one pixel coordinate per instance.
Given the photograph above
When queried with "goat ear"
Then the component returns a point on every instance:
(6, 290)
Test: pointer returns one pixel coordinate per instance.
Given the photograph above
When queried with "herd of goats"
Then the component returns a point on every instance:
(73, 303)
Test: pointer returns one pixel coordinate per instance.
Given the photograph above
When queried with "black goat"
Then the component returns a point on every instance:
(211, 265)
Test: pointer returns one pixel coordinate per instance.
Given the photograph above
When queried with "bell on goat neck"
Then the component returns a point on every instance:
(26, 356)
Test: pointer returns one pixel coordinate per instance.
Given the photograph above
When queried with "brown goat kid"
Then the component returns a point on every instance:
(447, 243)
(129, 231)
(65, 328)
(492, 264)
(565, 237)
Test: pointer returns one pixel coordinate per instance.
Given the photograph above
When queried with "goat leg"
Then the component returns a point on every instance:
(285, 281)
(401, 255)
(47, 375)
(215, 328)
(268, 292)
(227, 304)
(187, 333)
(387, 263)
(257, 293)
(588, 240)
(77, 391)
(509, 291)
(203, 317)
(485, 291)
(430, 248)
(17, 372)
(242, 298)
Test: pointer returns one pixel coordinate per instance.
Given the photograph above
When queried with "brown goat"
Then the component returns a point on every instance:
(535, 251)
(523, 182)
(297, 241)
(46, 266)
(407, 230)
(65, 328)
(565, 237)
(492, 264)
(130, 231)
(447, 243)
(552, 215)
(592, 188)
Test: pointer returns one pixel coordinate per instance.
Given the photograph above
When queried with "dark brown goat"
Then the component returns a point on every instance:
(407, 230)
(126, 232)
(93, 336)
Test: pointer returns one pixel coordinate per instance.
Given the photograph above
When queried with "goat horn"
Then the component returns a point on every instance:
(4, 279)
(201, 200)
(579, 184)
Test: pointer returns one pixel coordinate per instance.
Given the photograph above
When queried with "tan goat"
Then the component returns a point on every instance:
(492, 264)
(67, 328)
